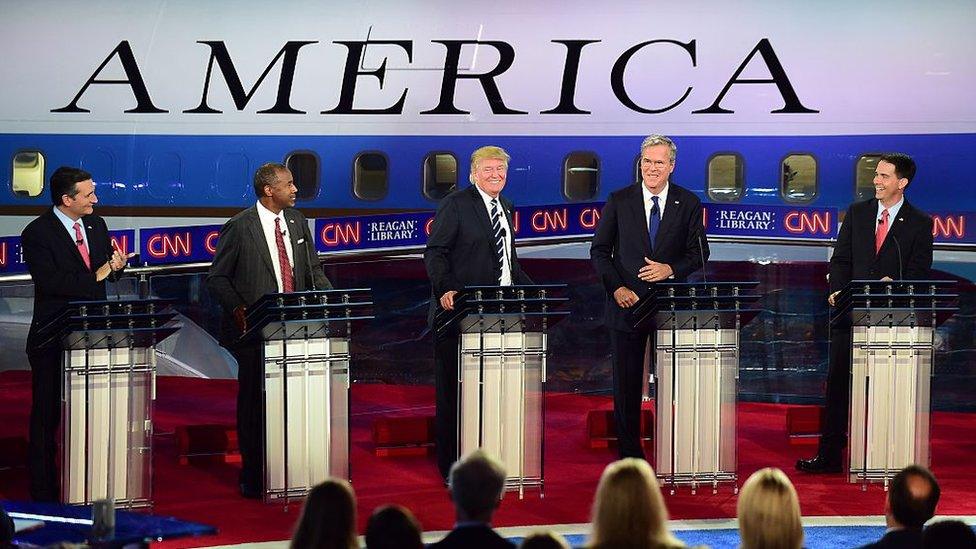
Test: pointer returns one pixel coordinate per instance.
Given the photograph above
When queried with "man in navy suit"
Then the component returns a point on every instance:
(69, 255)
(911, 501)
(648, 233)
(476, 485)
(883, 238)
(471, 243)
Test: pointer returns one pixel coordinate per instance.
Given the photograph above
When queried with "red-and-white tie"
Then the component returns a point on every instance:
(82, 247)
(287, 278)
(881, 232)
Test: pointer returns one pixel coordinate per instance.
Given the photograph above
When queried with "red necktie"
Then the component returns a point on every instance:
(82, 247)
(882, 232)
(287, 278)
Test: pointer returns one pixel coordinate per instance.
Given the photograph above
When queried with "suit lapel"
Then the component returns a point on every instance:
(481, 212)
(65, 239)
(670, 214)
(295, 233)
(260, 242)
(636, 207)
(897, 224)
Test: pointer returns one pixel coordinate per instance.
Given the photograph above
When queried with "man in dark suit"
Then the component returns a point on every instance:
(911, 501)
(476, 485)
(471, 244)
(648, 233)
(69, 256)
(883, 238)
(267, 248)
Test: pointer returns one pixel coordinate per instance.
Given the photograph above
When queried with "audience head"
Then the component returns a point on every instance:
(769, 512)
(628, 510)
(949, 533)
(328, 519)
(393, 527)
(476, 483)
(546, 539)
(912, 497)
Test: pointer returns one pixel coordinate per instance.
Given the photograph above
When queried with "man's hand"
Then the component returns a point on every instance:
(832, 297)
(447, 300)
(240, 318)
(625, 297)
(654, 271)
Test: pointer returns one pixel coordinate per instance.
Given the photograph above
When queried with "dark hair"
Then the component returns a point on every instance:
(949, 533)
(546, 539)
(477, 482)
(904, 165)
(393, 527)
(911, 510)
(63, 182)
(328, 518)
(267, 174)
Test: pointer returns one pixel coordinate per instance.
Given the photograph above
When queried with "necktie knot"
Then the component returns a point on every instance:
(78, 236)
(881, 232)
(884, 216)
(654, 200)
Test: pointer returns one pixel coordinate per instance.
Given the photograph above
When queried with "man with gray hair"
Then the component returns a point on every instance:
(648, 233)
(476, 485)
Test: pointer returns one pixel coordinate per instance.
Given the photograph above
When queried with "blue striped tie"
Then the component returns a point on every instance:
(496, 229)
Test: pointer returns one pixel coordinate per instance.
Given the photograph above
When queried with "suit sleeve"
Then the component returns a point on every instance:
(841, 260)
(48, 279)
(918, 266)
(437, 254)
(696, 245)
(220, 279)
(603, 247)
(318, 275)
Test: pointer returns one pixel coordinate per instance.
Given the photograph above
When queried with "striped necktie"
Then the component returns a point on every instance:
(496, 230)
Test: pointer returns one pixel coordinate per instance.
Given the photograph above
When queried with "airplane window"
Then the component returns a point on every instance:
(581, 175)
(864, 176)
(638, 178)
(440, 175)
(304, 167)
(799, 178)
(28, 174)
(371, 180)
(726, 177)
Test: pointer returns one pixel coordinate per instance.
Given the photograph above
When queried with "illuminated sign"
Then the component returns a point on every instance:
(166, 245)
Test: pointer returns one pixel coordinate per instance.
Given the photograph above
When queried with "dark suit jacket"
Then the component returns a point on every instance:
(898, 539)
(242, 271)
(854, 257)
(460, 250)
(621, 243)
(473, 537)
(57, 269)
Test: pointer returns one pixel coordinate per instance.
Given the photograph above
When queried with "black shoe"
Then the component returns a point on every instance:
(251, 492)
(818, 464)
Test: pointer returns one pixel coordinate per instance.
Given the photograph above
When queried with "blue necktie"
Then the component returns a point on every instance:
(653, 221)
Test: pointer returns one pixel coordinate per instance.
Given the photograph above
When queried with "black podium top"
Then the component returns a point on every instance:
(313, 314)
(894, 303)
(111, 324)
(701, 305)
(532, 307)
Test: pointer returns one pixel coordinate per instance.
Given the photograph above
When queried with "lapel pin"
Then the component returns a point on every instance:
(901, 219)
(291, 220)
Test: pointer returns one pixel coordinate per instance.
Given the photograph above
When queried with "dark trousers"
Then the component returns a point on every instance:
(833, 437)
(250, 414)
(628, 349)
(47, 385)
(445, 387)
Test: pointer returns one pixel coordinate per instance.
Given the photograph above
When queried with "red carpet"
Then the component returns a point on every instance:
(207, 493)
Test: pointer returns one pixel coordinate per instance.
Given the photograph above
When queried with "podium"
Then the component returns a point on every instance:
(109, 384)
(892, 326)
(305, 339)
(696, 332)
(502, 373)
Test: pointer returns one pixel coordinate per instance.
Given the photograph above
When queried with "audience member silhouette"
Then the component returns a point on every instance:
(476, 484)
(544, 539)
(949, 533)
(628, 510)
(393, 527)
(912, 497)
(328, 518)
(769, 512)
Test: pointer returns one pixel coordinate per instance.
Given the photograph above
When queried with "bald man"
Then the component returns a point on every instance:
(912, 498)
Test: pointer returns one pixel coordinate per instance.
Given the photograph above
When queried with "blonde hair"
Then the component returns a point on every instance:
(628, 510)
(769, 512)
(485, 153)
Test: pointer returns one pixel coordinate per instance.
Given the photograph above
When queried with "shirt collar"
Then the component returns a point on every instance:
(68, 222)
(893, 210)
(487, 198)
(267, 216)
(662, 196)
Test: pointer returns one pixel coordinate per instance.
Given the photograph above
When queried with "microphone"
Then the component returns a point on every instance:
(508, 260)
(308, 259)
(701, 250)
(901, 275)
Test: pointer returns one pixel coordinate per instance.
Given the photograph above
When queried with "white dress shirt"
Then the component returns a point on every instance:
(648, 203)
(892, 212)
(268, 226)
(506, 264)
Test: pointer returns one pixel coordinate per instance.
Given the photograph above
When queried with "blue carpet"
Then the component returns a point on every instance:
(815, 537)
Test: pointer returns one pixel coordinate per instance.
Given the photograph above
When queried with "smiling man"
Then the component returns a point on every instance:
(69, 255)
(470, 244)
(648, 233)
(265, 249)
(882, 238)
